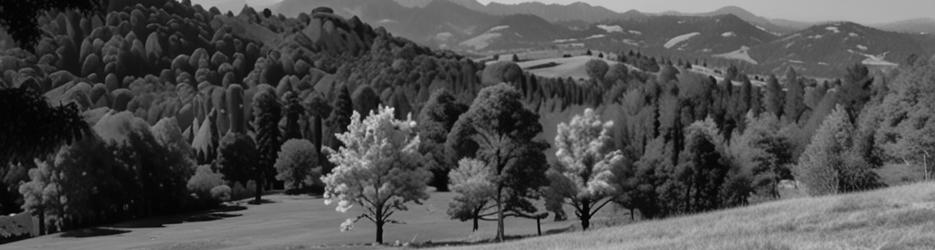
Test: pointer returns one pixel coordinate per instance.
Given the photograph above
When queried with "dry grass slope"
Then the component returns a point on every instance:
(895, 218)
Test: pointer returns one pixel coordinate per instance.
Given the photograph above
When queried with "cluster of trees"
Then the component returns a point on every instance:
(169, 107)
(188, 110)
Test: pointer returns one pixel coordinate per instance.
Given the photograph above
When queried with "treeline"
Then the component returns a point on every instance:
(189, 107)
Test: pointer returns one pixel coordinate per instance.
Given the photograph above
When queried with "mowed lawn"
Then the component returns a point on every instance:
(289, 222)
(900, 217)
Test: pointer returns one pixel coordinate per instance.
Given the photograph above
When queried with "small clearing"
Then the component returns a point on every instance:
(595, 36)
(610, 28)
(499, 28)
(742, 54)
(573, 67)
(680, 39)
(481, 42)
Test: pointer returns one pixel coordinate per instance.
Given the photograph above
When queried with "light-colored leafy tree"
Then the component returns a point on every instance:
(830, 164)
(297, 164)
(471, 184)
(818, 166)
(378, 168)
(203, 182)
(584, 175)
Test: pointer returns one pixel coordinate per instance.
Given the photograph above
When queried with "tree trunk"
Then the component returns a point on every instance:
(500, 214)
(585, 214)
(41, 221)
(475, 224)
(380, 232)
(259, 189)
(378, 220)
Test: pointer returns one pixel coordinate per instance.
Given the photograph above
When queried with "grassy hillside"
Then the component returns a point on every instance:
(894, 218)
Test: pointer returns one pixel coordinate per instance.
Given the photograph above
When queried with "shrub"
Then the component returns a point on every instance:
(202, 184)
(297, 164)
(221, 193)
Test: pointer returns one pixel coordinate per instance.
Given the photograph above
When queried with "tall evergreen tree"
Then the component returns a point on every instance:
(293, 111)
(340, 117)
(266, 115)
(795, 97)
(773, 100)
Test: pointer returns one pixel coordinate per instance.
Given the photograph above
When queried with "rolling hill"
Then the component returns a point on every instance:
(918, 25)
(520, 32)
(828, 48)
(438, 23)
(761, 22)
(683, 36)
(894, 218)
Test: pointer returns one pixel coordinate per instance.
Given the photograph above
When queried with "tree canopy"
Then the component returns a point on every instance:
(584, 175)
(378, 168)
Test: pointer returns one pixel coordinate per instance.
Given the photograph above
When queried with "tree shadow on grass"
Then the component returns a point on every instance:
(93, 232)
(261, 202)
(507, 238)
(209, 217)
(161, 221)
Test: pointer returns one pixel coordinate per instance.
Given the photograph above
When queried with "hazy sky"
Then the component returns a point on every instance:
(864, 11)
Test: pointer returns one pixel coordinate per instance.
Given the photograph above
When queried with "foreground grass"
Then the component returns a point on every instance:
(287, 222)
(894, 218)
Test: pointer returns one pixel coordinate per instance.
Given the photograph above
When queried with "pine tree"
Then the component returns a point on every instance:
(266, 115)
(773, 100)
(795, 97)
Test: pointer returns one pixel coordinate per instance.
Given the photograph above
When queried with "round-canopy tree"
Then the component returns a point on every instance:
(379, 168)
(297, 164)
(499, 131)
(584, 174)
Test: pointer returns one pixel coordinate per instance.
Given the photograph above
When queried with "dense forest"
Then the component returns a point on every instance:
(162, 107)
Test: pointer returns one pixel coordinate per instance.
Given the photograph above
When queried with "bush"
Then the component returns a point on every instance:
(240, 192)
(502, 72)
(297, 164)
(203, 183)
(221, 193)
(597, 69)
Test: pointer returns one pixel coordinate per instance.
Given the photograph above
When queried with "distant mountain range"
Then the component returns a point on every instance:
(729, 33)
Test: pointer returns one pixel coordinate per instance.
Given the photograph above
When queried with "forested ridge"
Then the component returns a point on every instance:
(173, 108)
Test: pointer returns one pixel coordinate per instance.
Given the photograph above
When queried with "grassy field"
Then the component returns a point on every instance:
(895, 218)
(573, 67)
(289, 222)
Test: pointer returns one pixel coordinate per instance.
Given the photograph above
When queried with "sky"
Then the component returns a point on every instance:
(863, 11)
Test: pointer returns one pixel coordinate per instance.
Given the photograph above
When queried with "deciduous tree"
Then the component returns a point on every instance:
(378, 168)
(498, 130)
(297, 164)
(584, 175)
